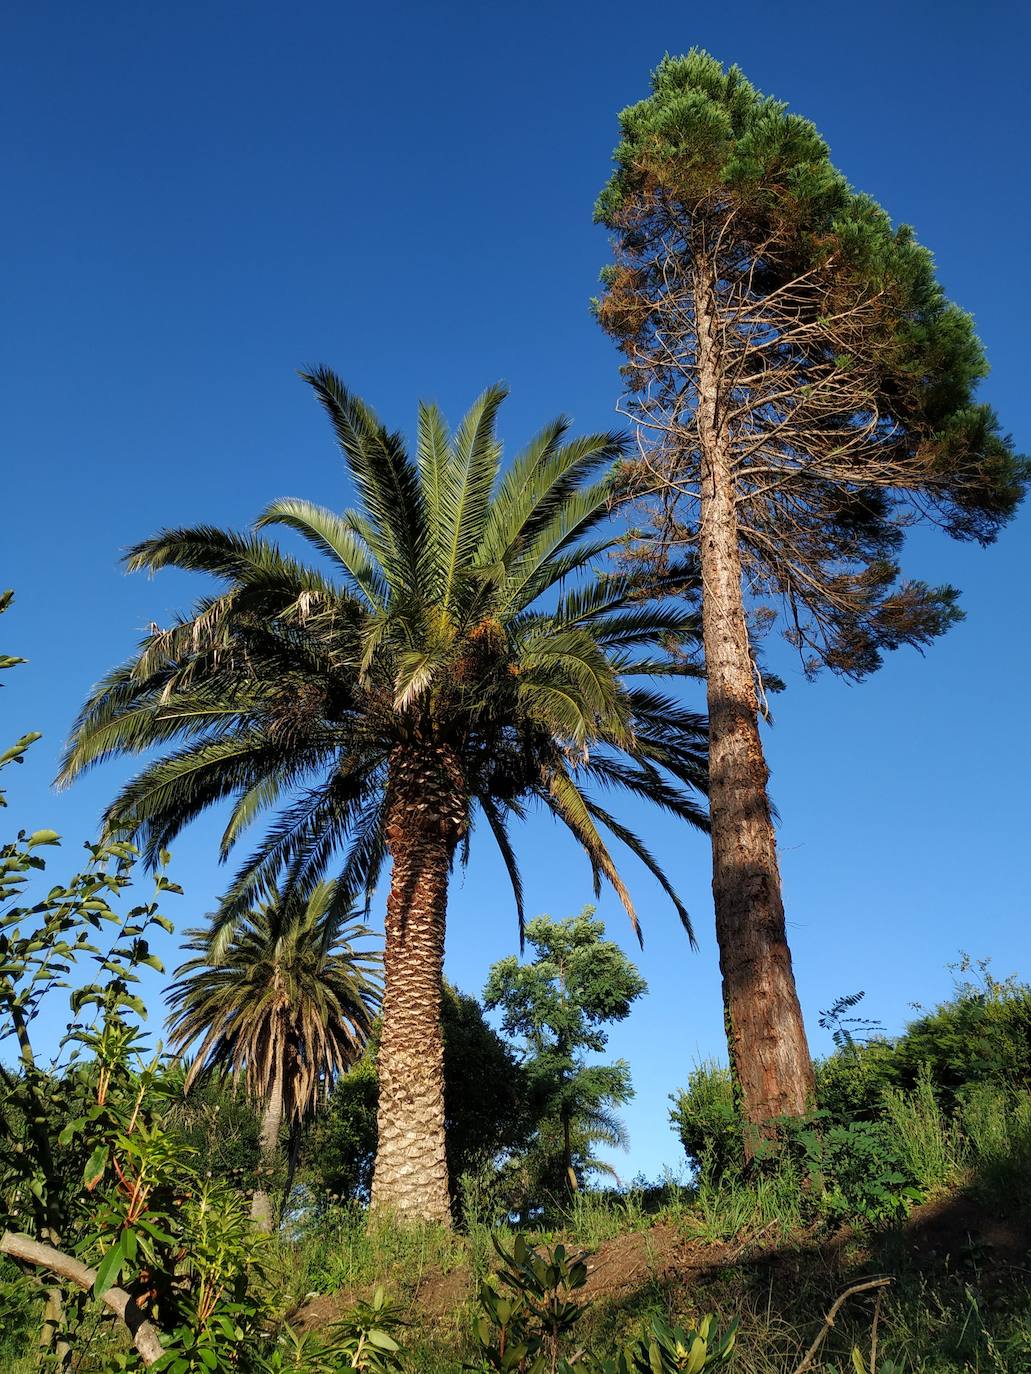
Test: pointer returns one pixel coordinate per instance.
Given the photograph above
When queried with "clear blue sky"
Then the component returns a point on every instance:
(200, 198)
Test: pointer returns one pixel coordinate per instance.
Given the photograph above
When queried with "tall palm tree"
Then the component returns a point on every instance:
(442, 672)
(285, 1006)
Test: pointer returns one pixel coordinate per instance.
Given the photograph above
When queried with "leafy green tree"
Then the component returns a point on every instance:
(94, 1194)
(804, 392)
(216, 1120)
(285, 1007)
(557, 1004)
(444, 670)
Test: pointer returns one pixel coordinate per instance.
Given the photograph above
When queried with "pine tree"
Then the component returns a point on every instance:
(803, 392)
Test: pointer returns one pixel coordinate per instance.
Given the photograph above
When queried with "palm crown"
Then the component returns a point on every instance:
(291, 1002)
(442, 673)
(444, 630)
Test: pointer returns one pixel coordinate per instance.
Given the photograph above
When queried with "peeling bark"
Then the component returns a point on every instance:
(768, 1046)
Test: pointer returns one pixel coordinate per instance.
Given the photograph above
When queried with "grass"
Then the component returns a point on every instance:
(929, 1142)
(997, 1126)
(959, 1313)
(736, 1209)
(345, 1250)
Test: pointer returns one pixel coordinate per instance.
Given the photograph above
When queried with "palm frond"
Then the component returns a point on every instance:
(336, 538)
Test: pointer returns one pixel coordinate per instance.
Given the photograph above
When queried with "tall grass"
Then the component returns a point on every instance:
(929, 1142)
(997, 1125)
(346, 1248)
(731, 1208)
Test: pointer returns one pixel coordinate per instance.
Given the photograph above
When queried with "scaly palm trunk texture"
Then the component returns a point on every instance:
(768, 1047)
(268, 1144)
(426, 816)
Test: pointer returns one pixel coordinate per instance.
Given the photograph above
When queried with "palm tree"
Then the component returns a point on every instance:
(443, 672)
(286, 1006)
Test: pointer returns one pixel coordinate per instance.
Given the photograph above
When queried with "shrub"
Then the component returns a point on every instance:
(983, 1035)
(705, 1116)
(854, 1171)
(850, 1083)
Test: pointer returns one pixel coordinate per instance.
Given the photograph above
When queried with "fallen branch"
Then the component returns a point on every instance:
(828, 1322)
(144, 1333)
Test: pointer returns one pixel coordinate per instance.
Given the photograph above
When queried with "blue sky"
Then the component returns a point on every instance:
(202, 198)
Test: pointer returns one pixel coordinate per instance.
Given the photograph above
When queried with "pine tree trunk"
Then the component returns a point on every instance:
(768, 1048)
(426, 814)
(268, 1144)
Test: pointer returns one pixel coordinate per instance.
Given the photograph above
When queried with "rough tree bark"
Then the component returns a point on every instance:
(768, 1046)
(268, 1141)
(426, 816)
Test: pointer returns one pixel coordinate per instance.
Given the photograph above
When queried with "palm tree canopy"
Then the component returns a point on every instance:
(453, 611)
(290, 999)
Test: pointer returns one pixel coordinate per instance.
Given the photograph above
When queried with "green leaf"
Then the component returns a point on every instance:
(95, 1166)
(72, 1129)
(43, 837)
(381, 1340)
(110, 1267)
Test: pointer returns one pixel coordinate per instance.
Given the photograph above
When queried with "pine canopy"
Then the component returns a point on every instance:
(847, 378)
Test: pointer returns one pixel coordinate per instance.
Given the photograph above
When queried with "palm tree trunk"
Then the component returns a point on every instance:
(268, 1142)
(768, 1048)
(426, 814)
(567, 1152)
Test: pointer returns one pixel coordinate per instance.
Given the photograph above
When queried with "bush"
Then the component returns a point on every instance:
(855, 1171)
(705, 1117)
(983, 1035)
(850, 1083)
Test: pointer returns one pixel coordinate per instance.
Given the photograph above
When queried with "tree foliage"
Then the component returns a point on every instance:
(293, 689)
(556, 1005)
(291, 1000)
(846, 378)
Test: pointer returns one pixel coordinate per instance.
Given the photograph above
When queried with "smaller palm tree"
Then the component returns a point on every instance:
(285, 1007)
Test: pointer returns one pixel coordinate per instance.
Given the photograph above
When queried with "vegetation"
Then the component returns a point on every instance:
(895, 1121)
(803, 391)
(461, 653)
(431, 679)
(287, 1005)
(556, 1006)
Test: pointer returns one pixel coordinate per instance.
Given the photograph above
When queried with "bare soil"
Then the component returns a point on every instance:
(941, 1231)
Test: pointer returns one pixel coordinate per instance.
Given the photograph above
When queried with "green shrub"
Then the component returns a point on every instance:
(854, 1172)
(705, 1117)
(983, 1035)
(850, 1083)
